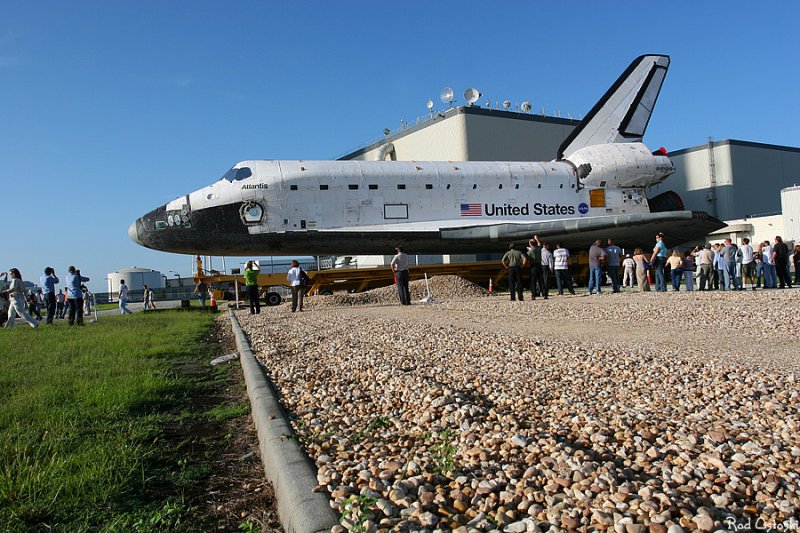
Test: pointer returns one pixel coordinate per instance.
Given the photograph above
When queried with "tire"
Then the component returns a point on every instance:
(272, 298)
(325, 292)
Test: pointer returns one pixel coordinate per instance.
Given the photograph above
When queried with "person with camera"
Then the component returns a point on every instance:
(75, 296)
(251, 271)
(48, 283)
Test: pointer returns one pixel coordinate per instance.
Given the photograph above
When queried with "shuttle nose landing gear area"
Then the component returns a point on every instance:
(251, 213)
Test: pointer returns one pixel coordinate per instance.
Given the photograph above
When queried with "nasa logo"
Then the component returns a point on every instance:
(583, 208)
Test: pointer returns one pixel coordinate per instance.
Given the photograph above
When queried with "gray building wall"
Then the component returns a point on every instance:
(476, 134)
(749, 177)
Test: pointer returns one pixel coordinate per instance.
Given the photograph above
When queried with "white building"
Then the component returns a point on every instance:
(135, 278)
(790, 207)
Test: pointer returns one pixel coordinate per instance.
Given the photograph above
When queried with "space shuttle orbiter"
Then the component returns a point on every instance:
(595, 188)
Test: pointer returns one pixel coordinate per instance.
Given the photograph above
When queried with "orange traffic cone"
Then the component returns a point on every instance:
(491, 288)
(213, 304)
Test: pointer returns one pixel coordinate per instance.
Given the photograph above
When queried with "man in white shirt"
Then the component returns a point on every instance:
(748, 264)
(123, 298)
(295, 278)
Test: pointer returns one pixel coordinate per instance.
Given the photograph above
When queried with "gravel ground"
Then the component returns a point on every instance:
(627, 412)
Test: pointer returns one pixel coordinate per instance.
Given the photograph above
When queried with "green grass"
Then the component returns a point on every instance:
(85, 422)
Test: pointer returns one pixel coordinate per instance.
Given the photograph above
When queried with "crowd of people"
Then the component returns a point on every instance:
(721, 266)
(47, 303)
(74, 302)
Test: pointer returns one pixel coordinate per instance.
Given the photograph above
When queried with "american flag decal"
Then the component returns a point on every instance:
(471, 210)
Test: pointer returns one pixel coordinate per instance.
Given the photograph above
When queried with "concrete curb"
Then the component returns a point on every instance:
(285, 463)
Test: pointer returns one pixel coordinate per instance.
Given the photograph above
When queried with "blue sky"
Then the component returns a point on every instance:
(109, 109)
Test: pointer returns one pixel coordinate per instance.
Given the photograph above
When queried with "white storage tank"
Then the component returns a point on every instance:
(790, 206)
(135, 278)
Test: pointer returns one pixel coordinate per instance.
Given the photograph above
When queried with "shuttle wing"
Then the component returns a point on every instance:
(622, 114)
(628, 230)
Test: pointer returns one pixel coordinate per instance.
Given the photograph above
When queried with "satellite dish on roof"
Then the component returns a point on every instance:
(471, 95)
(526, 107)
(429, 104)
(446, 95)
(506, 103)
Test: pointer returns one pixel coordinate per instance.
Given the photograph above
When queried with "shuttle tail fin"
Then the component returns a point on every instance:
(623, 112)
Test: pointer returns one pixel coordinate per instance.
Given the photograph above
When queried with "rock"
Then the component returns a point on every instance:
(704, 522)
(428, 519)
(519, 440)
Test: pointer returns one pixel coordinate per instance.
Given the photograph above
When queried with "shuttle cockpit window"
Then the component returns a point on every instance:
(237, 174)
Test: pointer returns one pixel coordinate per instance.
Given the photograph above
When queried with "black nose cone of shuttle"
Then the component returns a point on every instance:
(133, 232)
(144, 230)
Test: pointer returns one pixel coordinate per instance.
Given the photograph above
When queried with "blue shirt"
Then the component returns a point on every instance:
(74, 286)
(613, 253)
(662, 249)
(48, 282)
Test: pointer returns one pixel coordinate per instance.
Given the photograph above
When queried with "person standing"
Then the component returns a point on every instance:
(3, 296)
(705, 263)
(597, 256)
(796, 261)
(613, 256)
(719, 268)
(33, 305)
(688, 270)
(122, 294)
(535, 260)
(295, 278)
(147, 296)
(630, 271)
(675, 263)
(75, 296)
(768, 261)
(659, 259)
(251, 271)
(87, 300)
(728, 253)
(641, 270)
(201, 290)
(561, 267)
(748, 264)
(513, 261)
(48, 283)
(758, 256)
(548, 262)
(60, 304)
(780, 257)
(399, 266)
(16, 301)
(151, 298)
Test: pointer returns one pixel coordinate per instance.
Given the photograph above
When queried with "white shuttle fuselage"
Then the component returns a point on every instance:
(596, 188)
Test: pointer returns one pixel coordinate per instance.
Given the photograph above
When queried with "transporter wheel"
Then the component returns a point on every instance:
(325, 292)
(272, 298)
